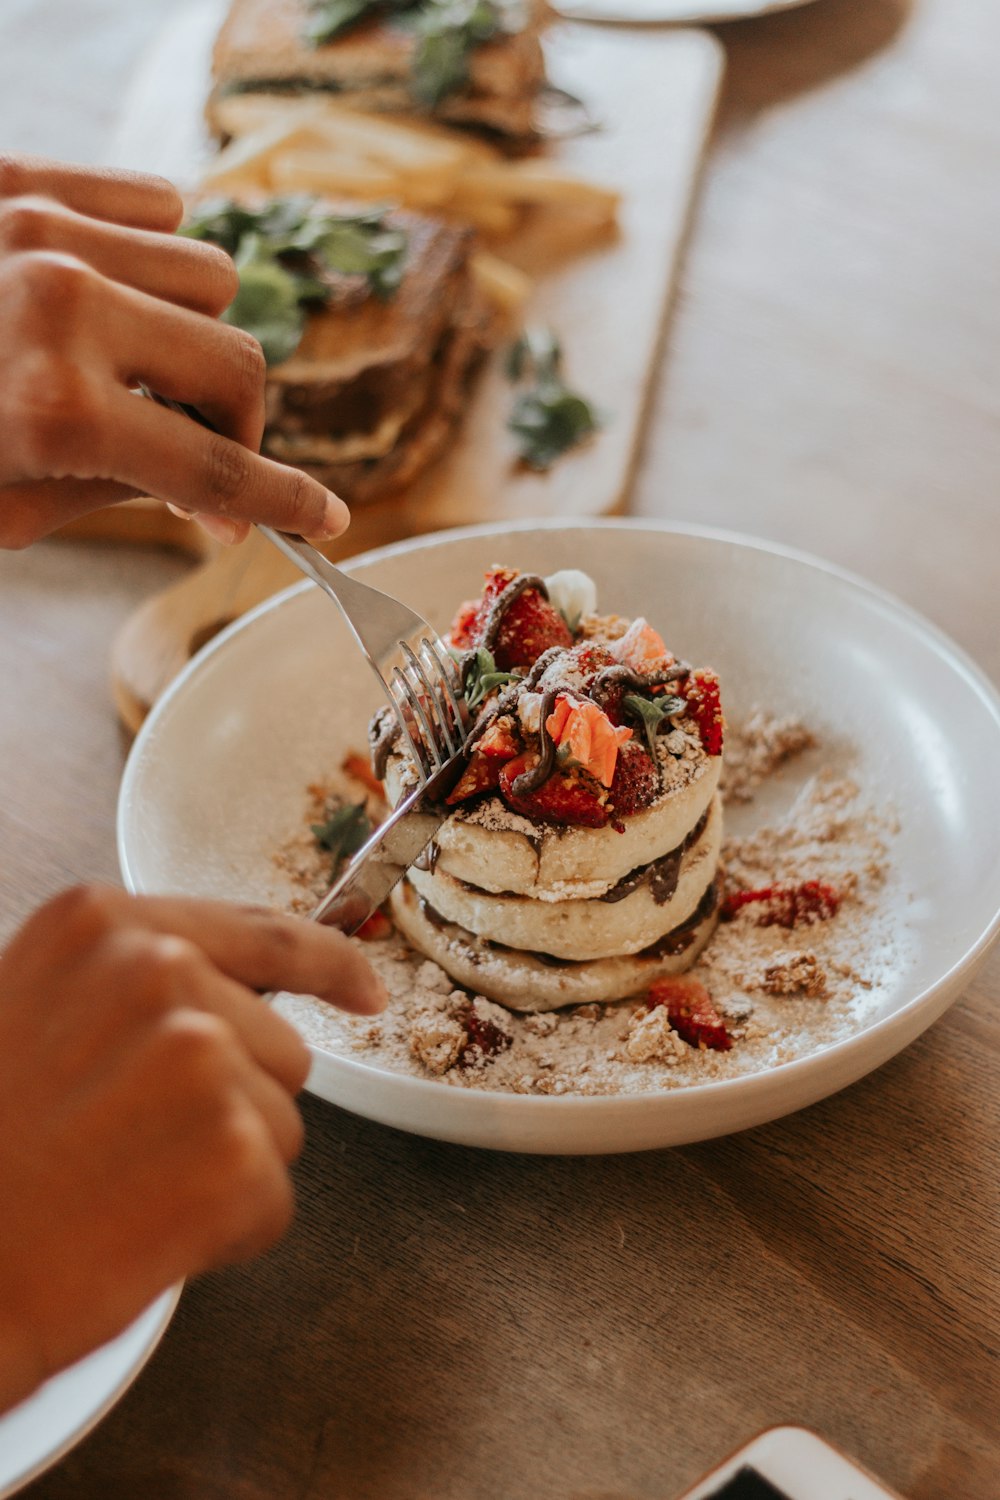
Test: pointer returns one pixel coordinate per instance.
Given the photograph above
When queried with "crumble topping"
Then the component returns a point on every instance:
(779, 999)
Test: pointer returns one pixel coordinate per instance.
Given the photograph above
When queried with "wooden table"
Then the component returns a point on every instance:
(464, 1327)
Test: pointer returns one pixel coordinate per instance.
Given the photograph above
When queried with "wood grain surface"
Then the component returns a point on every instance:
(445, 1324)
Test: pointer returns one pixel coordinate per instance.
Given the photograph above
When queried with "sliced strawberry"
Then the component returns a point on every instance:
(691, 1011)
(482, 774)
(357, 766)
(467, 626)
(530, 626)
(498, 740)
(572, 798)
(701, 689)
(375, 928)
(637, 782)
(785, 905)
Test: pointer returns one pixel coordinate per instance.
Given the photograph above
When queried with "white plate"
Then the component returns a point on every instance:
(42, 1429)
(672, 12)
(216, 779)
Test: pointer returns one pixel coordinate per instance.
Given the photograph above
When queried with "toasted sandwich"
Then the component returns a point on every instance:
(375, 389)
(369, 375)
(469, 62)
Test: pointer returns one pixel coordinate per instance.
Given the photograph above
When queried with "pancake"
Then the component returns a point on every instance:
(527, 982)
(491, 847)
(579, 929)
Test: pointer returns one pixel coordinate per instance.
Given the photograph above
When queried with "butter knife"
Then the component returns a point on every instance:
(394, 846)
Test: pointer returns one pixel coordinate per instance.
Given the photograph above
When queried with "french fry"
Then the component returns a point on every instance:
(315, 144)
(493, 218)
(318, 171)
(246, 161)
(505, 286)
(539, 182)
(242, 114)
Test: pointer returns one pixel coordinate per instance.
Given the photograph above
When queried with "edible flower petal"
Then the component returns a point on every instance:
(642, 648)
(573, 593)
(589, 735)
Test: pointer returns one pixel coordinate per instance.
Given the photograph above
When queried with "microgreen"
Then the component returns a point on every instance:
(547, 417)
(446, 32)
(286, 253)
(481, 677)
(344, 832)
(652, 712)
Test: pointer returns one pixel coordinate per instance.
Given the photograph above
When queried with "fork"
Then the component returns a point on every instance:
(425, 692)
(423, 684)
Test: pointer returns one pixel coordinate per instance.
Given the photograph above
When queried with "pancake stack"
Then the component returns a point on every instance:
(579, 861)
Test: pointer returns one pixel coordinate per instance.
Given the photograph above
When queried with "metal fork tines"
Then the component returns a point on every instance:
(415, 668)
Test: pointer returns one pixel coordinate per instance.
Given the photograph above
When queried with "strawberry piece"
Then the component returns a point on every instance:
(357, 766)
(467, 626)
(462, 632)
(785, 905)
(375, 928)
(498, 741)
(482, 774)
(637, 782)
(530, 626)
(592, 659)
(562, 798)
(701, 689)
(691, 1011)
(485, 1038)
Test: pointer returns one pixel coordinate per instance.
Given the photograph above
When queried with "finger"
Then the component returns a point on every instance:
(273, 1044)
(268, 951)
(273, 1103)
(213, 366)
(38, 507)
(136, 198)
(168, 455)
(187, 272)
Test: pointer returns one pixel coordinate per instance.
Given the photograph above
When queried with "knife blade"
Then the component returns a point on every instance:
(382, 862)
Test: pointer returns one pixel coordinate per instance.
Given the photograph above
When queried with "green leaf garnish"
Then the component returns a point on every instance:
(446, 30)
(344, 832)
(267, 305)
(481, 677)
(287, 252)
(330, 17)
(652, 712)
(548, 418)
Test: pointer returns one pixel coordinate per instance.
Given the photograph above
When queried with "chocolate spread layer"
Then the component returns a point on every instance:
(673, 942)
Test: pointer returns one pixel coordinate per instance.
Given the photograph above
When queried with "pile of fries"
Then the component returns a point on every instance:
(314, 144)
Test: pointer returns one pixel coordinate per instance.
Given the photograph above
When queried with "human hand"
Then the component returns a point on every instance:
(96, 295)
(146, 1114)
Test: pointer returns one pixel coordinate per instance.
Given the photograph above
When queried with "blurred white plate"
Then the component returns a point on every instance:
(42, 1429)
(215, 783)
(670, 12)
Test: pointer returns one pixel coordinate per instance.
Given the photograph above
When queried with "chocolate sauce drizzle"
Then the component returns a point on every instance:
(624, 676)
(672, 942)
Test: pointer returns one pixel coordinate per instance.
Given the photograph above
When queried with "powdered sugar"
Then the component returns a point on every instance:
(784, 993)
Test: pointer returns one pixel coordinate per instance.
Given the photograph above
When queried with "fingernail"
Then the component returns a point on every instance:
(175, 510)
(218, 527)
(336, 516)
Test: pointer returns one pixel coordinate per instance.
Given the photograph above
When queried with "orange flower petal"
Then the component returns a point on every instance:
(590, 735)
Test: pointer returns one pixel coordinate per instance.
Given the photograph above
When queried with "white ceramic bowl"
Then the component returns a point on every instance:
(215, 783)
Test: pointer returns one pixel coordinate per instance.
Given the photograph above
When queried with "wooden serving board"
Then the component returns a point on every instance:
(653, 94)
